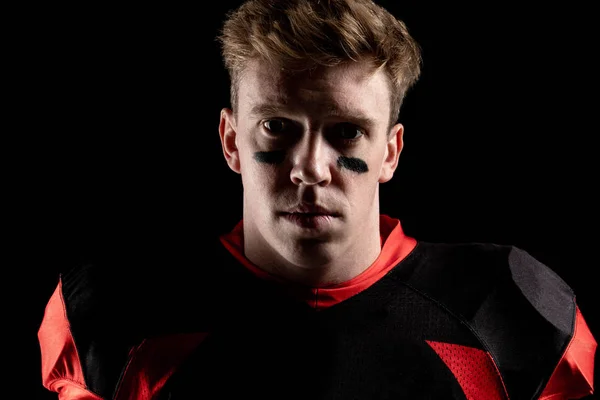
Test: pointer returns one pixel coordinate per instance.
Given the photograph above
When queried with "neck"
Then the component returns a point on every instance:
(315, 263)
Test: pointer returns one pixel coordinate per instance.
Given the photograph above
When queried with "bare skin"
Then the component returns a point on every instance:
(312, 151)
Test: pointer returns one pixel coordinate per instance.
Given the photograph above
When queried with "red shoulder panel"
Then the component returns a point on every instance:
(574, 376)
(61, 366)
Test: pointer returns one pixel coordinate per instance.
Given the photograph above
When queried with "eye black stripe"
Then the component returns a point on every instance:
(270, 157)
(353, 164)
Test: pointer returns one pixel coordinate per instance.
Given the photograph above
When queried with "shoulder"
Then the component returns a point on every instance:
(99, 295)
(154, 287)
(522, 312)
(465, 276)
(103, 309)
(489, 265)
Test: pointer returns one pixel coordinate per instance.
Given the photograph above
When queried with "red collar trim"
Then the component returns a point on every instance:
(396, 246)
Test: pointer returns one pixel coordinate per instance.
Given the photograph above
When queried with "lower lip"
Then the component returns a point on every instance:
(309, 221)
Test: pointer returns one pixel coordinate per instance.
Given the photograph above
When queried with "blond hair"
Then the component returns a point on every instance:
(300, 35)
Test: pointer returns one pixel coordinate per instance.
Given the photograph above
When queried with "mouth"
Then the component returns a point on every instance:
(310, 217)
(309, 220)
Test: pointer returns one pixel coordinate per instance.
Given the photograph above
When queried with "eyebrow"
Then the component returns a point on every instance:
(266, 109)
(354, 116)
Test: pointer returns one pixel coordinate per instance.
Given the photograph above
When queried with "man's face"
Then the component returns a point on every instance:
(311, 151)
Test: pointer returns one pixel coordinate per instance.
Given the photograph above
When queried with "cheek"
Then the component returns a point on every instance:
(261, 172)
(362, 190)
(360, 176)
(266, 166)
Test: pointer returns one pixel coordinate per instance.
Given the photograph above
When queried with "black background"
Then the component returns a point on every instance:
(112, 139)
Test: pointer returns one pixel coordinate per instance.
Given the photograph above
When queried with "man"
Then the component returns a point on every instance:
(315, 294)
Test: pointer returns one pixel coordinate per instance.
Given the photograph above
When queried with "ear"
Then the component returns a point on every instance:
(228, 132)
(393, 149)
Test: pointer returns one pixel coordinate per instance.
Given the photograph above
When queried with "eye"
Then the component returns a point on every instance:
(348, 131)
(276, 125)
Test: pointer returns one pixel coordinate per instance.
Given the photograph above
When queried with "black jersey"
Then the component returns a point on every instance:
(434, 321)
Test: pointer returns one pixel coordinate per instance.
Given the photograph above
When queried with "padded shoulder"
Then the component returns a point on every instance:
(522, 312)
(545, 290)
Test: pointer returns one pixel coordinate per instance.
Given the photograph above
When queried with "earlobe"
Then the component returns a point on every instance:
(393, 149)
(228, 132)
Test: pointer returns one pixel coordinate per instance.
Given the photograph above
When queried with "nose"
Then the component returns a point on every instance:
(311, 164)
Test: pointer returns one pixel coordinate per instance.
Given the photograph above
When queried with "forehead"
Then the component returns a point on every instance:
(351, 88)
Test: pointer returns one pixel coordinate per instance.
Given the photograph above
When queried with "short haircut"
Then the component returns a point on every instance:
(300, 35)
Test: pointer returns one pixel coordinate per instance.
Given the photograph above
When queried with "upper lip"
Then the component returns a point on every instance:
(311, 209)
